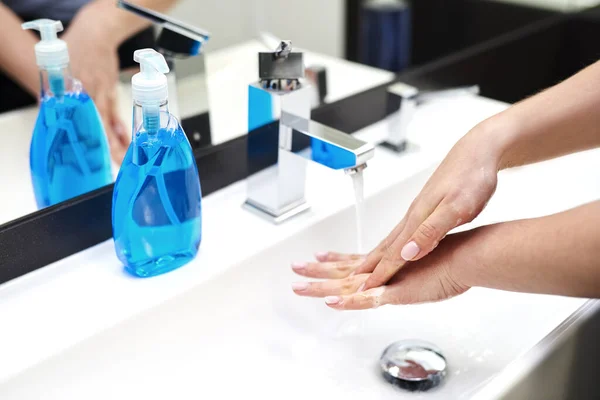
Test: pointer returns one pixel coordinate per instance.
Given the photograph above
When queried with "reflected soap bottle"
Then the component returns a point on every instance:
(69, 153)
(156, 213)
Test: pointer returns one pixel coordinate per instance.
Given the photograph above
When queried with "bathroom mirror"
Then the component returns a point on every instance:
(211, 89)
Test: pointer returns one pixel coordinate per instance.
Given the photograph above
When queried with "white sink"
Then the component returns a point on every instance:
(240, 331)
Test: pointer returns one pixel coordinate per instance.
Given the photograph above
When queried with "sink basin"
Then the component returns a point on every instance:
(228, 325)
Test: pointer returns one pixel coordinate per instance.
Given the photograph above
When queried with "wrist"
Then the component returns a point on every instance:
(497, 135)
(468, 260)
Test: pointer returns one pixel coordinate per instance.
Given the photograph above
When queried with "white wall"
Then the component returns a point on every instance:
(316, 25)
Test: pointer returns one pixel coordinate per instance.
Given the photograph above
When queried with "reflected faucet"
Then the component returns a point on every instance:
(281, 103)
(403, 101)
(181, 44)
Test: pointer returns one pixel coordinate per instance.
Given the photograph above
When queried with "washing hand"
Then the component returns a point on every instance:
(454, 195)
(94, 61)
(555, 254)
(430, 279)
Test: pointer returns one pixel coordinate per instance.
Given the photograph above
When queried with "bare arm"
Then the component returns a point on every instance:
(94, 36)
(561, 120)
(557, 254)
(17, 56)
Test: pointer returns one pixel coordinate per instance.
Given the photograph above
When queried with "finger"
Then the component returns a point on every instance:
(336, 287)
(117, 124)
(358, 301)
(120, 131)
(332, 256)
(102, 107)
(391, 261)
(430, 233)
(105, 109)
(375, 256)
(421, 282)
(327, 270)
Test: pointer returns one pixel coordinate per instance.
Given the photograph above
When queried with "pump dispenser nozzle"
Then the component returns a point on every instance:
(50, 52)
(149, 86)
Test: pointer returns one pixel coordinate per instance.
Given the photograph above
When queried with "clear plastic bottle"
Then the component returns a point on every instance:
(156, 215)
(69, 153)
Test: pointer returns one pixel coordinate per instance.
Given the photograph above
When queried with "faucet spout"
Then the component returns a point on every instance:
(350, 152)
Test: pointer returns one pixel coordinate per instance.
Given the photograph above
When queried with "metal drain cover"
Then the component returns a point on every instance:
(413, 365)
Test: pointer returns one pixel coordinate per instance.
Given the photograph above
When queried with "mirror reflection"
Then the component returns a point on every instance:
(65, 81)
(45, 97)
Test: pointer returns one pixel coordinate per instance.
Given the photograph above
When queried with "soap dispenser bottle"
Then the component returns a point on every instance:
(69, 153)
(156, 213)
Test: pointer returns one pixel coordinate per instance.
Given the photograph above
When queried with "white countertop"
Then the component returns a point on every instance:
(228, 73)
(49, 311)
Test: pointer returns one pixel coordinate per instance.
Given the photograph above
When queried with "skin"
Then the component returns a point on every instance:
(94, 36)
(397, 271)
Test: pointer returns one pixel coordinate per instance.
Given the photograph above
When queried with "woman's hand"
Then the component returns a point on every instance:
(94, 60)
(430, 279)
(454, 195)
(555, 254)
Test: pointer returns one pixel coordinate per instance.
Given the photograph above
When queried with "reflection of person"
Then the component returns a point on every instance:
(97, 33)
(556, 254)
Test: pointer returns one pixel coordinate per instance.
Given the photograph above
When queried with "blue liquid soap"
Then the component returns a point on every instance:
(157, 212)
(157, 201)
(69, 155)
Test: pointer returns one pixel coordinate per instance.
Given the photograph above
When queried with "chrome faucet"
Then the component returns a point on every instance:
(403, 101)
(281, 102)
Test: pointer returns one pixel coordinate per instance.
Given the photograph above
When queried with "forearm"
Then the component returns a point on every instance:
(122, 24)
(17, 56)
(561, 120)
(557, 254)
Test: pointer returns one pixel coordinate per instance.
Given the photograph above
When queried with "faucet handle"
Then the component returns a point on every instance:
(402, 104)
(444, 93)
(281, 64)
(284, 49)
(402, 90)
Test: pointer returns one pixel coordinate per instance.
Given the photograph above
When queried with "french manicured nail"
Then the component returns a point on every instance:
(299, 286)
(410, 251)
(333, 300)
(299, 266)
(361, 287)
(321, 256)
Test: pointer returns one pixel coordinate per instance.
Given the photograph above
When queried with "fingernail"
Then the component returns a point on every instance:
(299, 266)
(299, 286)
(361, 287)
(410, 251)
(332, 300)
(322, 256)
(119, 130)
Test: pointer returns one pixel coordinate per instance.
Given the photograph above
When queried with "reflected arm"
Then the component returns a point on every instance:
(17, 57)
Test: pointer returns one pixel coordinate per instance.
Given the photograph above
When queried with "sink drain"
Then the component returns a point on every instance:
(413, 365)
